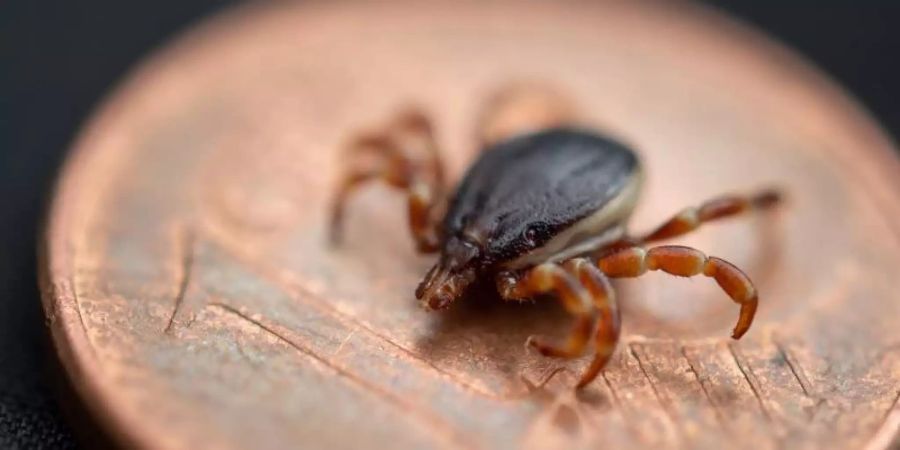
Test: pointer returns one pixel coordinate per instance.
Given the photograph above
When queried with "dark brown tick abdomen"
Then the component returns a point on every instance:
(543, 181)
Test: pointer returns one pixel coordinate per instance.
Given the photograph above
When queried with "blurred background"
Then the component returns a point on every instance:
(59, 58)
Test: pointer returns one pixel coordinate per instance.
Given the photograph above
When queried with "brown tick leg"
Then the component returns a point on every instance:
(521, 108)
(686, 262)
(608, 324)
(404, 156)
(690, 218)
(575, 298)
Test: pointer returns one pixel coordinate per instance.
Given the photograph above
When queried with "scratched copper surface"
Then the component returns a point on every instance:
(193, 301)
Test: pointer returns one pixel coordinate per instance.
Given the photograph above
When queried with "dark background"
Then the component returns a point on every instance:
(58, 58)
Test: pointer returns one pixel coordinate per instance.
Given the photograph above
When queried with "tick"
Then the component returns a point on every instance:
(543, 210)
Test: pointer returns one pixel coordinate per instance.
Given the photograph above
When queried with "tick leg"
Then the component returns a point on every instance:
(608, 323)
(690, 218)
(521, 108)
(405, 156)
(575, 298)
(686, 262)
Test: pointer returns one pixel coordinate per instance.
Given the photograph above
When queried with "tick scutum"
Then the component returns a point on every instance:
(524, 192)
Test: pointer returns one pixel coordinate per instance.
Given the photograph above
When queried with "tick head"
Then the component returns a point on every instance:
(453, 273)
(506, 231)
(515, 236)
(509, 232)
(480, 247)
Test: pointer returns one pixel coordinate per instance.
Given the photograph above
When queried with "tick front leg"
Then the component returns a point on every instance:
(608, 320)
(405, 156)
(586, 294)
(691, 218)
(575, 298)
(686, 262)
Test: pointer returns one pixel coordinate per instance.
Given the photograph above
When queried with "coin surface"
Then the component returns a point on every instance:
(194, 301)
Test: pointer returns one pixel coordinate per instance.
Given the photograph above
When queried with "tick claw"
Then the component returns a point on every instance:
(533, 344)
(538, 345)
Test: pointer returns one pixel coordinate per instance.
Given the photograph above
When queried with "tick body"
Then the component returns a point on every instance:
(543, 210)
(543, 197)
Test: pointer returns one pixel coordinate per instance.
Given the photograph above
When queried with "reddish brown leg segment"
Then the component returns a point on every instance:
(547, 278)
(608, 321)
(586, 294)
(405, 157)
(690, 218)
(687, 262)
(521, 108)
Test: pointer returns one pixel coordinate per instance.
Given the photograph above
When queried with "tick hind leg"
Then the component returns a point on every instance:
(521, 108)
(686, 262)
(691, 218)
(405, 156)
(586, 294)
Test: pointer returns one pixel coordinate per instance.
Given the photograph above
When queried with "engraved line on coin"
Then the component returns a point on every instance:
(677, 431)
(350, 320)
(285, 336)
(889, 428)
(614, 396)
(77, 303)
(185, 250)
(750, 377)
(664, 404)
(344, 342)
(616, 401)
(792, 363)
(545, 377)
(291, 287)
(718, 413)
(627, 414)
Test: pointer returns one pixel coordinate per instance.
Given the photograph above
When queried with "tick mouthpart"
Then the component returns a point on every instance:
(447, 280)
(441, 287)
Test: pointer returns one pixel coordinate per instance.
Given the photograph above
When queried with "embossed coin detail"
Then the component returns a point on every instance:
(193, 298)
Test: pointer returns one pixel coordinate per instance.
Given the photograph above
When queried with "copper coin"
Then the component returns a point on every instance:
(194, 302)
